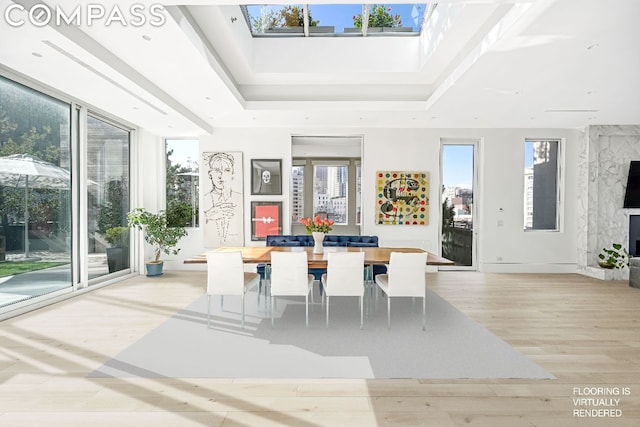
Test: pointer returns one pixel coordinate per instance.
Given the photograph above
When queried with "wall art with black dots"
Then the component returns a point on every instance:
(402, 198)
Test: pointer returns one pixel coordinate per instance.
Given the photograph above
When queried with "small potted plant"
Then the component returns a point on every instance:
(118, 250)
(158, 234)
(614, 257)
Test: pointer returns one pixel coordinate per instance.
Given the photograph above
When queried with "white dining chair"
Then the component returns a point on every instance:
(289, 277)
(344, 277)
(226, 276)
(405, 277)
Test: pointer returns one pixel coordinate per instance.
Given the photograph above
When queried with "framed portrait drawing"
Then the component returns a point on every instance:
(266, 219)
(222, 199)
(266, 177)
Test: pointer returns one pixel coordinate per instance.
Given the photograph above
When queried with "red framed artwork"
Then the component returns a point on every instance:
(266, 219)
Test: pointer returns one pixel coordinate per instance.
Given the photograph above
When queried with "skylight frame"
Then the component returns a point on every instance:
(307, 30)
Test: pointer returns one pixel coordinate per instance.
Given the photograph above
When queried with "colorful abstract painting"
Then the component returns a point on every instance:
(402, 198)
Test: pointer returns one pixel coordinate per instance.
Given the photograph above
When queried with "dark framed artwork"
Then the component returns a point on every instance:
(266, 219)
(266, 177)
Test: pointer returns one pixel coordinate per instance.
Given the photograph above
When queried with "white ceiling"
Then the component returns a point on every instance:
(492, 63)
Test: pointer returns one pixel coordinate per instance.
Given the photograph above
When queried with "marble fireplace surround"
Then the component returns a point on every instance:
(603, 166)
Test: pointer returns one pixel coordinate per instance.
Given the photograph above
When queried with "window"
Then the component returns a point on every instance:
(182, 182)
(332, 191)
(297, 193)
(541, 196)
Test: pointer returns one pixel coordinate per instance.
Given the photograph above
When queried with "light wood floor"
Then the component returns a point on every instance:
(584, 331)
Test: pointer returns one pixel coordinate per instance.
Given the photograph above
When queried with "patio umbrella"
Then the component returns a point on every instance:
(25, 171)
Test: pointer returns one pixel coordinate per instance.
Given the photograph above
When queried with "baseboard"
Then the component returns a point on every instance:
(527, 268)
(604, 273)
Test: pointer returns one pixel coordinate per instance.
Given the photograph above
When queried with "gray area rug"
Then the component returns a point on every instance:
(453, 345)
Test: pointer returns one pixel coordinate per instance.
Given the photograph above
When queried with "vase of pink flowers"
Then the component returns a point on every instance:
(317, 227)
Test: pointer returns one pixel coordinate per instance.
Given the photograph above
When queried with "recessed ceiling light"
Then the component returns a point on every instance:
(36, 54)
(146, 37)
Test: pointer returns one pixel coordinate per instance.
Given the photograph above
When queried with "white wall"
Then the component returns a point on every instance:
(501, 164)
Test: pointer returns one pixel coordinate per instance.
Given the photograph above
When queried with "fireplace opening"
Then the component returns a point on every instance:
(634, 235)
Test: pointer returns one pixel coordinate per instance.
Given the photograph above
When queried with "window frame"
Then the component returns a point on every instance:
(351, 227)
(559, 185)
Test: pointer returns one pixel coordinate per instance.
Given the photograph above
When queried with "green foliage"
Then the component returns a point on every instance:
(11, 268)
(287, 17)
(112, 213)
(117, 236)
(448, 213)
(34, 124)
(616, 255)
(156, 231)
(293, 16)
(379, 16)
(179, 214)
(179, 193)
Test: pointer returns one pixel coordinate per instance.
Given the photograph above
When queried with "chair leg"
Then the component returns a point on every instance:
(361, 312)
(272, 304)
(242, 311)
(306, 309)
(327, 311)
(209, 311)
(388, 312)
(424, 311)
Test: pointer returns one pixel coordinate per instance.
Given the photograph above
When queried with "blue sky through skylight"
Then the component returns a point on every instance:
(341, 16)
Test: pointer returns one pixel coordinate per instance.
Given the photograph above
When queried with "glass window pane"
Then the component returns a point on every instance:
(274, 20)
(457, 203)
(541, 185)
(330, 193)
(35, 193)
(183, 185)
(297, 193)
(358, 194)
(108, 197)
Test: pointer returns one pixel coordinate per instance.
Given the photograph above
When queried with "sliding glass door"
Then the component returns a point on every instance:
(107, 197)
(35, 194)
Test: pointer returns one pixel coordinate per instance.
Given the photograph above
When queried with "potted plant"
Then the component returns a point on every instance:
(614, 257)
(118, 250)
(158, 234)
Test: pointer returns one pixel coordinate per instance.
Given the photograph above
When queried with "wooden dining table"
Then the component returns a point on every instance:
(372, 255)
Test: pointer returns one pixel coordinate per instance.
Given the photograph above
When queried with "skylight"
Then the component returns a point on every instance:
(302, 20)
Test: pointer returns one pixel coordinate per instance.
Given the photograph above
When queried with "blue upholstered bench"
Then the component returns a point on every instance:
(329, 240)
